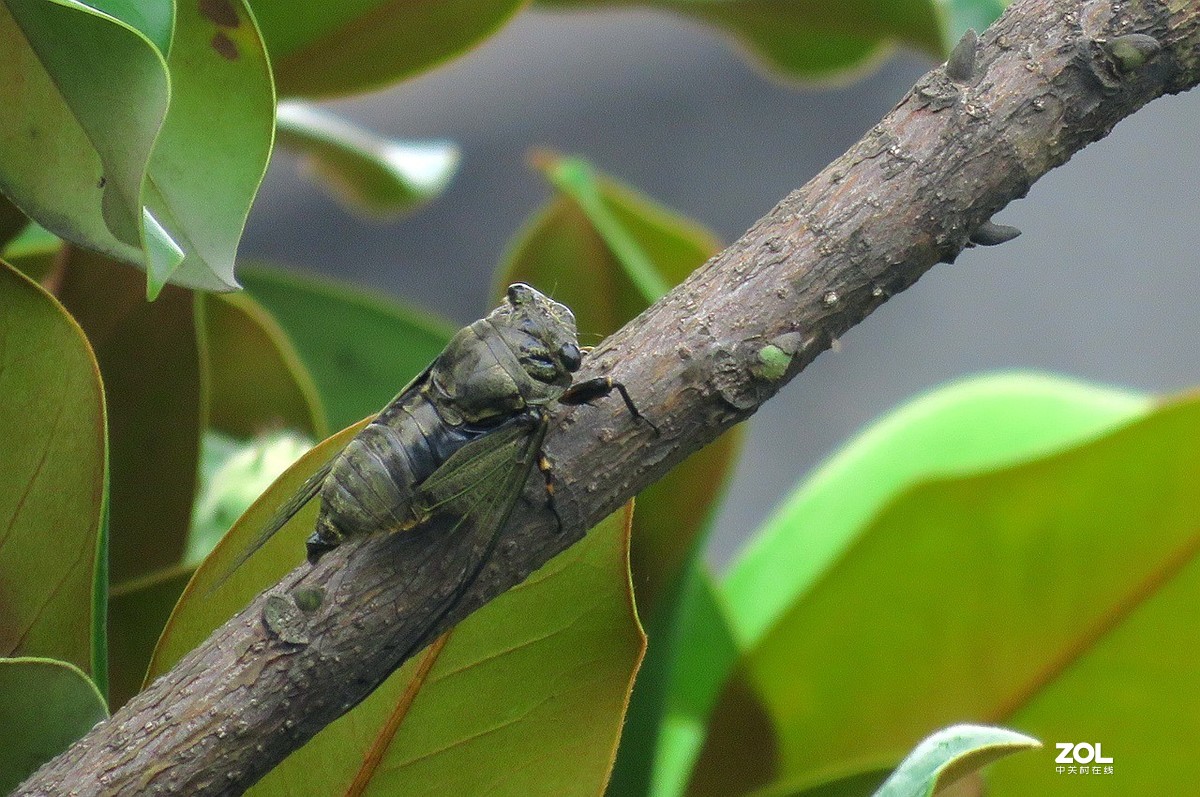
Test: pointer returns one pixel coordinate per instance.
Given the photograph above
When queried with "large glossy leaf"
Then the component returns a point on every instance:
(1047, 596)
(608, 252)
(540, 674)
(52, 478)
(256, 380)
(975, 425)
(950, 754)
(324, 49)
(150, 358)
(360, 348)
(805, 41)
(216, 141)
(106, 151)
(89, 92)
(816, 40)
(697, 648)
(978, 424)
(367, 172)
(137, 612)
(45, 705)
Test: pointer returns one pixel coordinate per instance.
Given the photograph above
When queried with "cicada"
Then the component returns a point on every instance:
(463, 437)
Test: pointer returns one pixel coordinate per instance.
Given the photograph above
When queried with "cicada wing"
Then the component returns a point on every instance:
(283, 514)
(484, 467)
(473, 493)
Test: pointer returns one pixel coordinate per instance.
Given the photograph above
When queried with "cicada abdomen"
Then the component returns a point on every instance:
(371, 482)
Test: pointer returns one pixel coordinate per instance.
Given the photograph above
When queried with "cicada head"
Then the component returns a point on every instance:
(541, 334)
(523, 354)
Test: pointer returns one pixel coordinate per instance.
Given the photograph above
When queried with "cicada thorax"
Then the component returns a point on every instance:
(515, 361)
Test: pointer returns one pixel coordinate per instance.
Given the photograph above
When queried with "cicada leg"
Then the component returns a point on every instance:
(589, 390)
(322, 541)
(548, 474)
(317, 547)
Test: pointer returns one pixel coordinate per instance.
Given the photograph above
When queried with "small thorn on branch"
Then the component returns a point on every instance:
(960, 66)
(992, 234)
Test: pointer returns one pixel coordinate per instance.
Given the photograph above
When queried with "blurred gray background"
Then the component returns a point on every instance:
(1101, 286)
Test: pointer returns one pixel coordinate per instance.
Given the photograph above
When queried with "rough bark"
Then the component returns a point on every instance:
(957, 148)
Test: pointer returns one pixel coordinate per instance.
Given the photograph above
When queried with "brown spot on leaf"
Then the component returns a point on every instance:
(225, 46)
(220, 12)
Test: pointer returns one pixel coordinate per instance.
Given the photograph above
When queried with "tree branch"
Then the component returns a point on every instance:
(1049, 78)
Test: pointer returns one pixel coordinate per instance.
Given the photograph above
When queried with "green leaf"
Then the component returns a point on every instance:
(1047, 595)
(948, 755)
(823, 41)
(215, 143)
(100, 588)
(12, 222)
(33, 252)
(45, 705)
(978, 424)
(133, 138)
(632, 248)
(52, 479)
(326, 49)
(34, 239)
(546, 669)
(367, 172)
(150, 358)
(360, 348)
(137, 612)
(90, 91)
(256, 379)
(974, 425)
(699, 650)
(807, 41)
(576, 179)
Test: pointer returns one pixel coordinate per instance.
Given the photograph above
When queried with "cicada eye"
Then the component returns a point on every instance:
(570, 356)
(517, 292)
